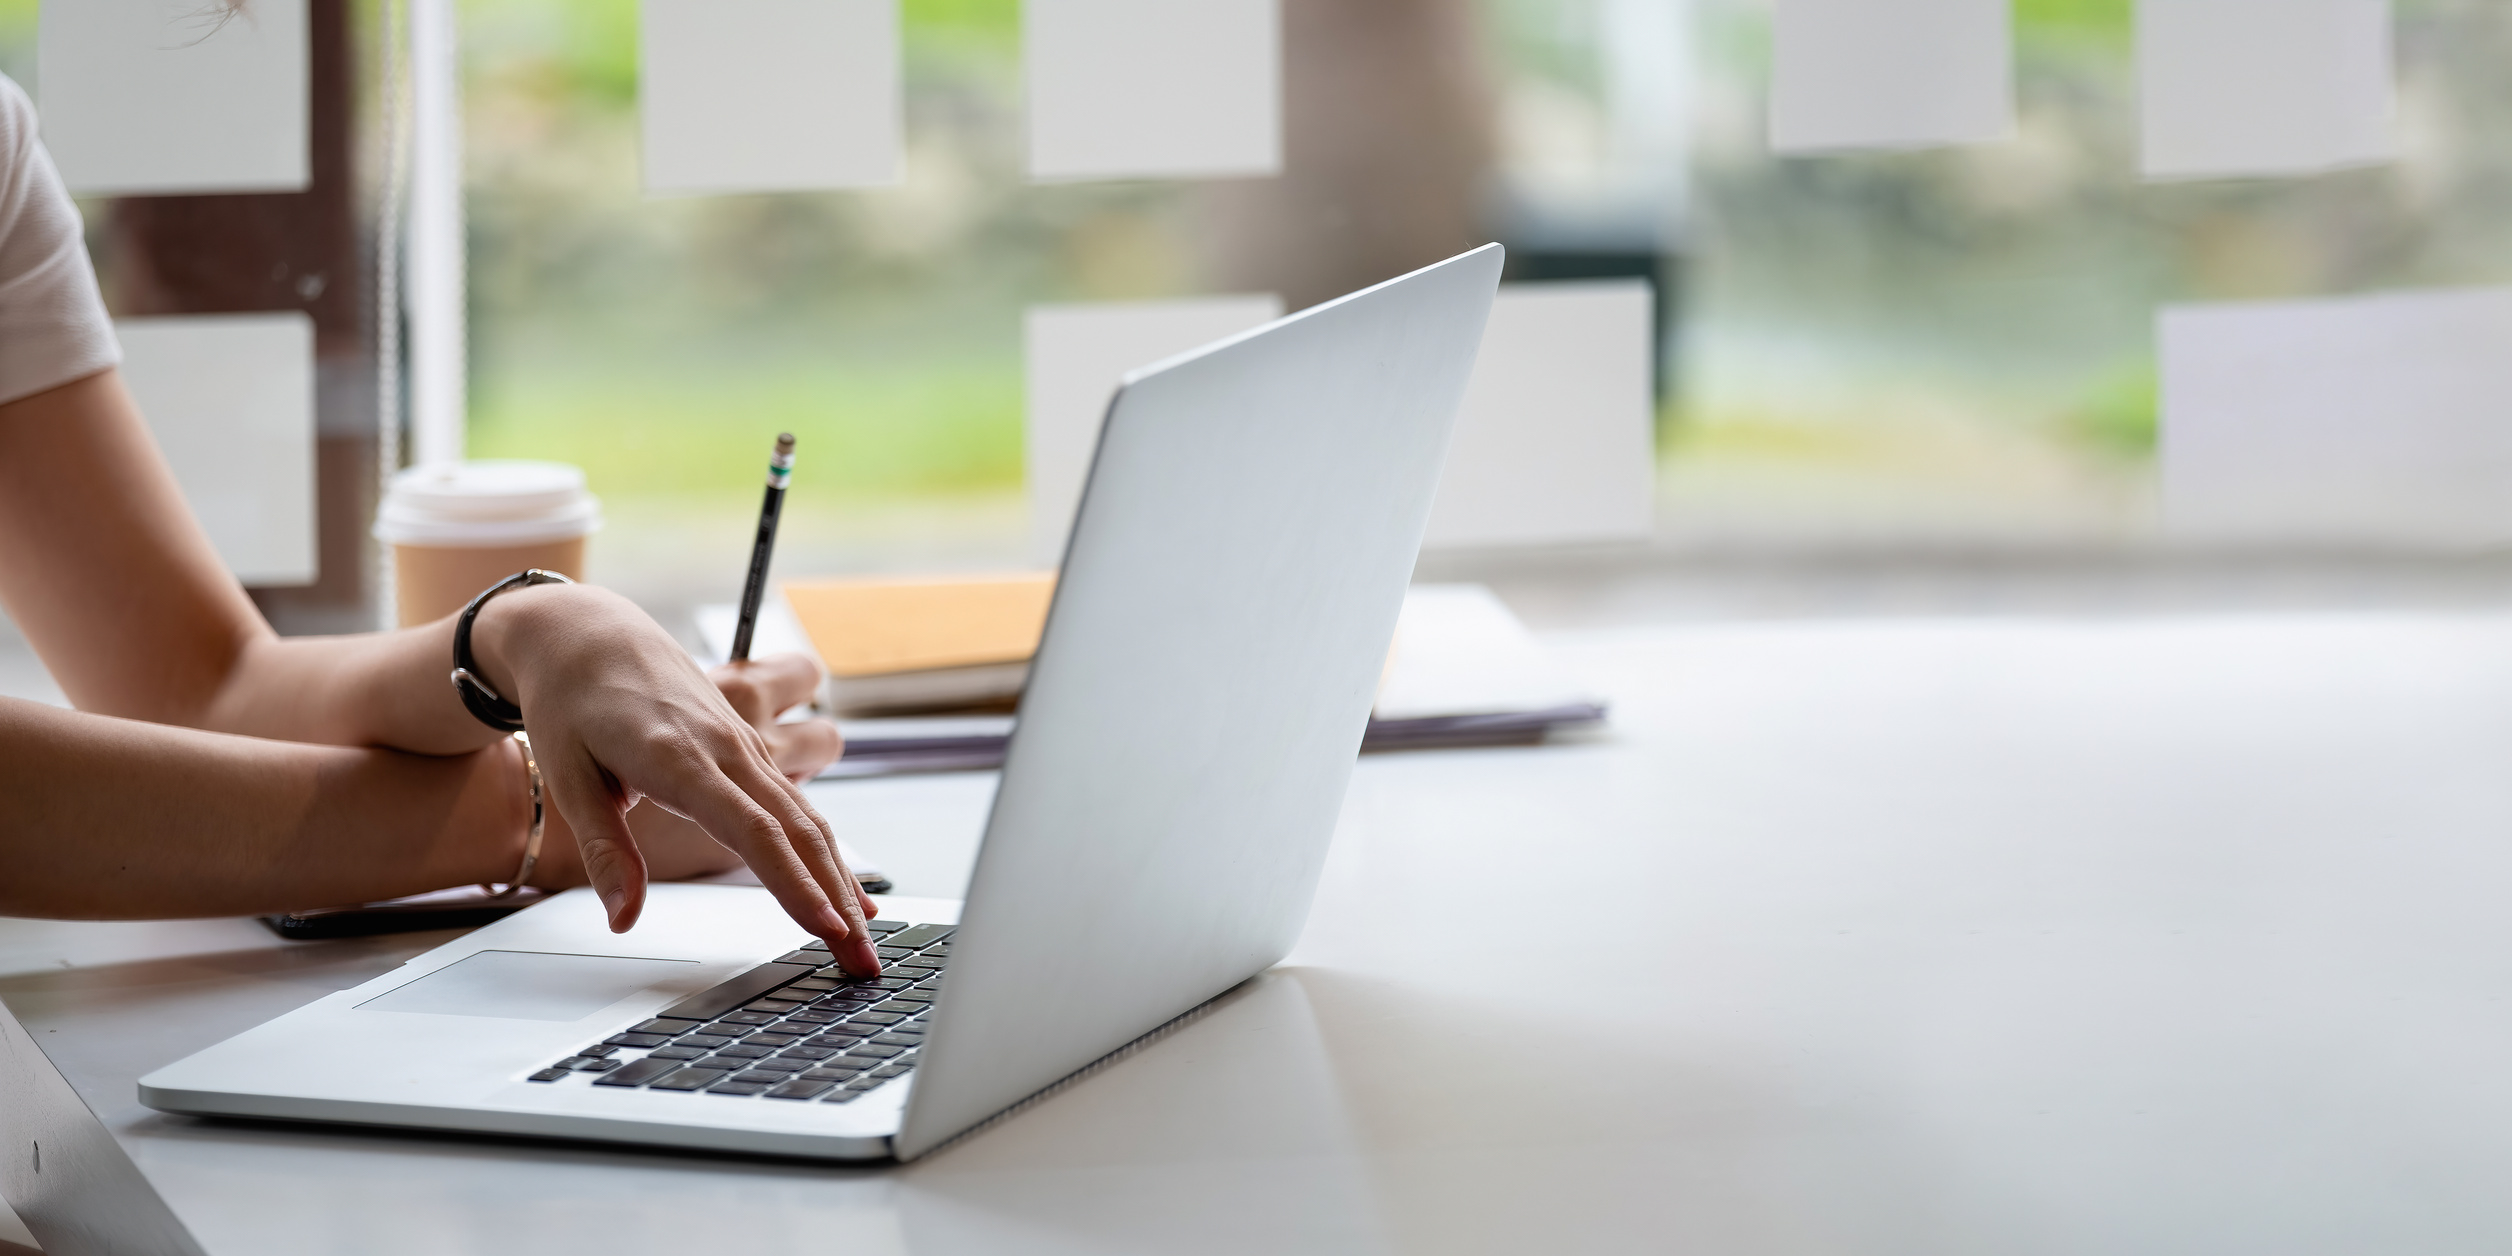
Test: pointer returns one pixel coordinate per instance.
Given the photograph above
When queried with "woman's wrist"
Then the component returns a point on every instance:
(503, 814)
(513, 627)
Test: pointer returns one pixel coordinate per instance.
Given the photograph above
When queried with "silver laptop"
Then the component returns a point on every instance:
(1227, 599)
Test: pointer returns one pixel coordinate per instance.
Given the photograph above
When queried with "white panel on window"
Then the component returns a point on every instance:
(230, 398)
(1149, 89)
(1076, 356)
(1856, 74)
(1556, 440)
(159, 97)
(2347, 419)
(2233, 88)
(769, 95)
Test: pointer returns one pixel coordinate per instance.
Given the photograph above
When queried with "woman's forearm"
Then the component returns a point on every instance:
(109, 818)
(375, 689)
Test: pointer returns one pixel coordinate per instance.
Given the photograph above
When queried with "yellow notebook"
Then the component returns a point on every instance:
(896, 645)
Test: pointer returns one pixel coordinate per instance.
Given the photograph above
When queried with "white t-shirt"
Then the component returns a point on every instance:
(53, 327)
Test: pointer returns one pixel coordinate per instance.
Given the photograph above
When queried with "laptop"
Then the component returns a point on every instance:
(1228, 595)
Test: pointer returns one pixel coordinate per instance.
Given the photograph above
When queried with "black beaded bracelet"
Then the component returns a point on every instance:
(484, 703)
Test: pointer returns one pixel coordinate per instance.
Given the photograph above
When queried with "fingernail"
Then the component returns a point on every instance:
(870, 958)
(613, 903)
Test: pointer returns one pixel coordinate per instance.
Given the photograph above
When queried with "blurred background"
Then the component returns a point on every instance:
(1886, 380)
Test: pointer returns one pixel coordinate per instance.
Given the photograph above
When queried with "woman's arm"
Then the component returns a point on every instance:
(104, 818)
(104, 568)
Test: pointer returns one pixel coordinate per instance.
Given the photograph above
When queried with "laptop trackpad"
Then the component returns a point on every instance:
(528, 985)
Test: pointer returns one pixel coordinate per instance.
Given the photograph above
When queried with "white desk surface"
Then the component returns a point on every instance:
(2154, 936)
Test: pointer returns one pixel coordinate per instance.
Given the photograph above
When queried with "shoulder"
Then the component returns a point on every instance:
(53, 326)
(17, 137)
(17, 116)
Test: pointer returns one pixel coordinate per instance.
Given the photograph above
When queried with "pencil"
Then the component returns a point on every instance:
(780, 473)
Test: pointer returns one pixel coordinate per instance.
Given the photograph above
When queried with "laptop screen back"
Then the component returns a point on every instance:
(1224, 612)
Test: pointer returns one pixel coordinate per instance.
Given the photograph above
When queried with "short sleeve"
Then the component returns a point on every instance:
(53, 326)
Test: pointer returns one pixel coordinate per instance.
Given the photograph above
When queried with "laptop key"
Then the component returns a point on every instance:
(638, 1073)
(759, 1077)
(901, 1040)
(775, 1064)
(885, 926)
(807, 955)
(677, 1053)
(597, 1050)
(800, 1089)
(920, 935)
(597, 1066)
(866, 1082)
(736, 1086)
(635, 1040)
(813, 1016)
(744, 1051)
(806, 1052)
(691, 1079)
(876, 1018)
(772, 1040)
(723, 997)
(816, 985)
(669, 1026)
(549, 1075)
(773, 1007)
(873, 1049)
(746, 1018)
(890, 1070)
(712, 1041)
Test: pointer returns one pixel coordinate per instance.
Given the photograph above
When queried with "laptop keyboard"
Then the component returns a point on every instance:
(795, 1028)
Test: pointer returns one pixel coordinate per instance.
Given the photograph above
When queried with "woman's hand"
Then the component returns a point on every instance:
(620, 715)
(677, 850)
(765, 688)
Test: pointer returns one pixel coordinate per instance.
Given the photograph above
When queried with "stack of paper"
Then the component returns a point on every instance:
(1464, 672)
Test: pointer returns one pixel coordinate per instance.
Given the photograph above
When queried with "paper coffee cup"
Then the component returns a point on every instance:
(457, 528)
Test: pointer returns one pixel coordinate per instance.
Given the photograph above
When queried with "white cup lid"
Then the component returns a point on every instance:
(487, 503)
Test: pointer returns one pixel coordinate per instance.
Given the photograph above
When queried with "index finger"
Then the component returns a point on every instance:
(731, 816)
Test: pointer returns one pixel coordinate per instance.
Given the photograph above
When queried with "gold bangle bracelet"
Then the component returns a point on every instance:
(532, 841)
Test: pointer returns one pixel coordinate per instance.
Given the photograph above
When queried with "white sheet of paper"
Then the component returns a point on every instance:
(776, 632)
(156, 97)
(2358, 418)
(1460, 651)
(1848, 74)
(1077, 354)
(1150, 89)
(1556, 441)
(230, 398)
(769, 95)
(2233, 88)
